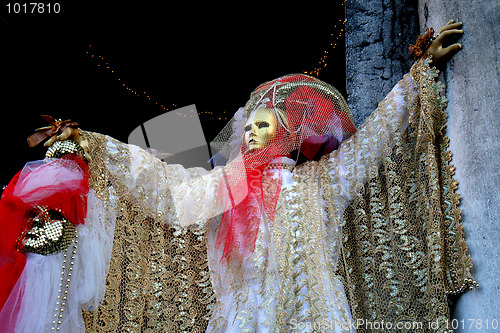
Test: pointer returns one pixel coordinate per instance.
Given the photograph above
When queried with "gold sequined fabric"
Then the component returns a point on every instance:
(377, 221)
(48, 232)
(62, 148)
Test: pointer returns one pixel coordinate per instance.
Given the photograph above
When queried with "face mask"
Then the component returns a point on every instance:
(261, 128)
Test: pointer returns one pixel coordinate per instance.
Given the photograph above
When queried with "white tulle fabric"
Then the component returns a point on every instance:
(47, 174)
(36, 291)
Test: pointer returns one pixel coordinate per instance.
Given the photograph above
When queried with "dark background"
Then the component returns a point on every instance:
(206, 54)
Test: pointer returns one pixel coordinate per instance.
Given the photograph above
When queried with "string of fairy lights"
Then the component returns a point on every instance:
(101, 62)
(322, 63)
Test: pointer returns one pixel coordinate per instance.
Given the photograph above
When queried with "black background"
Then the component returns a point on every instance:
(209, 54)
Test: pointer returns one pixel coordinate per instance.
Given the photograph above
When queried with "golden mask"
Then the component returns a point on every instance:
(261, 128)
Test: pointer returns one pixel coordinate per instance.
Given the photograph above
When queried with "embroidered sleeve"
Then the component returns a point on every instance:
(181, 196)
(350, 165)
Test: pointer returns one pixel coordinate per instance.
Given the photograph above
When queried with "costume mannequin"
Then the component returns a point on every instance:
(277, 253)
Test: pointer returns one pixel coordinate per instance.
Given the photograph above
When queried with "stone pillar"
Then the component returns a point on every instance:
(472, 81)
(378, 34)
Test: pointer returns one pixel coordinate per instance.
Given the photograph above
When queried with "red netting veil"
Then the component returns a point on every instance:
(312, 120)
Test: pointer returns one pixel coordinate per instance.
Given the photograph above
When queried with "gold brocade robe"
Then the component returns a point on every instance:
(368, 235)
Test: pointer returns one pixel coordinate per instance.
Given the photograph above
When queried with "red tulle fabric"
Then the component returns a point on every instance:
(315, 126)
(59, 185)
(240, 221)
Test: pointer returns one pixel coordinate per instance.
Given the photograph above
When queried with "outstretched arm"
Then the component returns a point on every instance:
(187, 196)
(350, 165)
